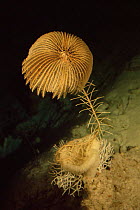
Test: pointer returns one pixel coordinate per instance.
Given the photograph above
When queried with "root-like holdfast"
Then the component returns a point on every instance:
(80, 155)
(79, 160)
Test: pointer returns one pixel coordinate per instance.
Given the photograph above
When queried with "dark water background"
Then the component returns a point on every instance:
(29, 123)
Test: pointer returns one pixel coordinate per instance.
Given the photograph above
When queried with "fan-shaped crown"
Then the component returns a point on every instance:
(58, 62)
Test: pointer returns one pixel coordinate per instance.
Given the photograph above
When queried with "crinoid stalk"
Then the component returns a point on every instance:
(98, 120)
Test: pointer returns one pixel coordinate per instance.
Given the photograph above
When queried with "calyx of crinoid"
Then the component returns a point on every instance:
(80, 156)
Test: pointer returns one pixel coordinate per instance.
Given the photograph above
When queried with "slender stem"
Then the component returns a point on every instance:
(93, 111)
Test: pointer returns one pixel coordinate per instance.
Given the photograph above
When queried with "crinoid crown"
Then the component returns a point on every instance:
(58, 62)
